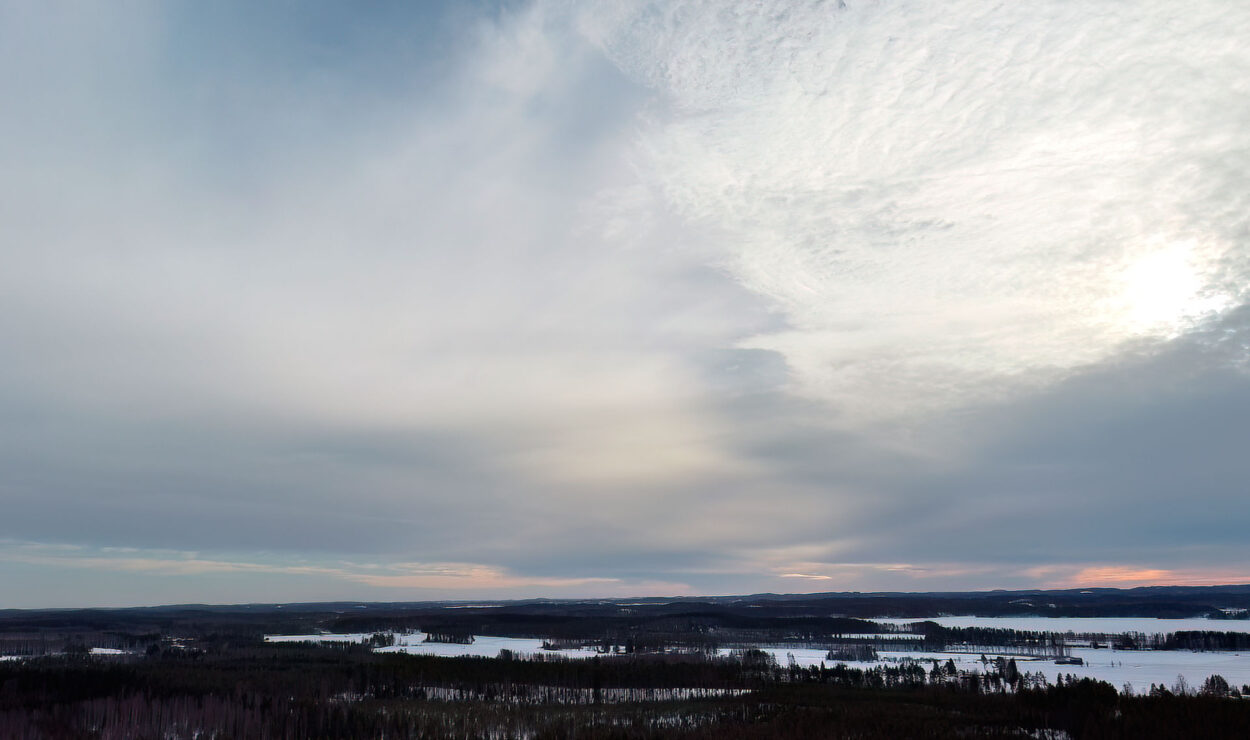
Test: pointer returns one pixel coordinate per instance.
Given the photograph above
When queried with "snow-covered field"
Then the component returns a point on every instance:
(93, 651)
(1078, 625)
(1141, 668)
(878, 636)
(521, 694)
(802, 656)
(484, 646)
(415, 644)
(322, 637)
(1117, 667)
(1144, 667)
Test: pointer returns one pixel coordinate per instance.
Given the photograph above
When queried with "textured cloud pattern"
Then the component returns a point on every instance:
(942, 195)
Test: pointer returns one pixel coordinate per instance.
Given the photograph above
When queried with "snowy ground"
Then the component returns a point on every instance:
(415, 644)
(321, 637)
(1078, 625)
(1117, 667)
(1144, 667)
(484, 646)
(94, 651)
(904, 636)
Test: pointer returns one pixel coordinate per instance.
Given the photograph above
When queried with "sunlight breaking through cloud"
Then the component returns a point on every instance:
(624, 296)
(941, 197)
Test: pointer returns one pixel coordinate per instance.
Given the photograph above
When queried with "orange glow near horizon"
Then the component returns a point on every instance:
(1116, 576)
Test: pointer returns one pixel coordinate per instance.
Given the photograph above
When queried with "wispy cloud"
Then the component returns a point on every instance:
(608, 297)
(1122, 576)
(943, 198)
(439, 578)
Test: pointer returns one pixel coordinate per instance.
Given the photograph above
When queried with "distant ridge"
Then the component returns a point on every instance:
(1144, 601)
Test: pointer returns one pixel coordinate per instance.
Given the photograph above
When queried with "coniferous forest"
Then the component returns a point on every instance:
(297, 691)
(678, 668)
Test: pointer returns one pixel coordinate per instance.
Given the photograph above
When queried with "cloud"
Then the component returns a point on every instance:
(1127, 576)
(438, 311)
(950, 200)
(425, 578)
(592, 297)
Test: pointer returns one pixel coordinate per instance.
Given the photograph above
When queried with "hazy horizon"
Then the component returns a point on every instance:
(485, 603)
(551, 298)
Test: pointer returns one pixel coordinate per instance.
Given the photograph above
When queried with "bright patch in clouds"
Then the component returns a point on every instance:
(1129, 576)
(1169, 290)
(941, 195)
(445, 579)
(563, 297)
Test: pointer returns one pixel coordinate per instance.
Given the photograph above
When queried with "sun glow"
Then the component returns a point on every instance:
(1167, 290)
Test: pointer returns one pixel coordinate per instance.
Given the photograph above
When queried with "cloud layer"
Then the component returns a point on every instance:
(586, 298)
(941, 196)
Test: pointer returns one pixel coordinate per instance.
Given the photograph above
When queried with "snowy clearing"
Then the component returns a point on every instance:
(482, 646)
(1116, 667)
(1090, 625)
(1141, 668)
(321, 637)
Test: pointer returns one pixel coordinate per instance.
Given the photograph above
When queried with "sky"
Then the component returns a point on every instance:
(478, 300)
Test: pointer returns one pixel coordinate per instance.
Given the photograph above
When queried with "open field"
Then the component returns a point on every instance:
(1140, 668)
(707, 668)
(1085, 625)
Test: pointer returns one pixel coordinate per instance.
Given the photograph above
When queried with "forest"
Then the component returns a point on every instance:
(666, 668)
(258, 690)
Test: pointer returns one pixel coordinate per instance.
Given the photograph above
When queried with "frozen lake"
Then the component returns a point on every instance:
(414, 643)
(1117, 667)
(1078, 625)
(482, 645)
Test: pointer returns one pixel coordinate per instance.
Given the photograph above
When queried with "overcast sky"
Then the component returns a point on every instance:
(314, 301)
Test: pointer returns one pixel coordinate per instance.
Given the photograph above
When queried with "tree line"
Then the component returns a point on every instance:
(296, 691)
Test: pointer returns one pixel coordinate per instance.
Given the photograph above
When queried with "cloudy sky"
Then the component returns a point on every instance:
(312, 301)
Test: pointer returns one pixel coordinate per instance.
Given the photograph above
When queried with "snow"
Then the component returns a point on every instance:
(877, 636)
(482, 646)
(802, 656)
(321, 637)
(414, 643)
(1093, 625)
(1144, 667)
(569, 695)
(1140, 667)
(94, 651)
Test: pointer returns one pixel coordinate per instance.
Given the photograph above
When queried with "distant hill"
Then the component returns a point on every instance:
(795, 612)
